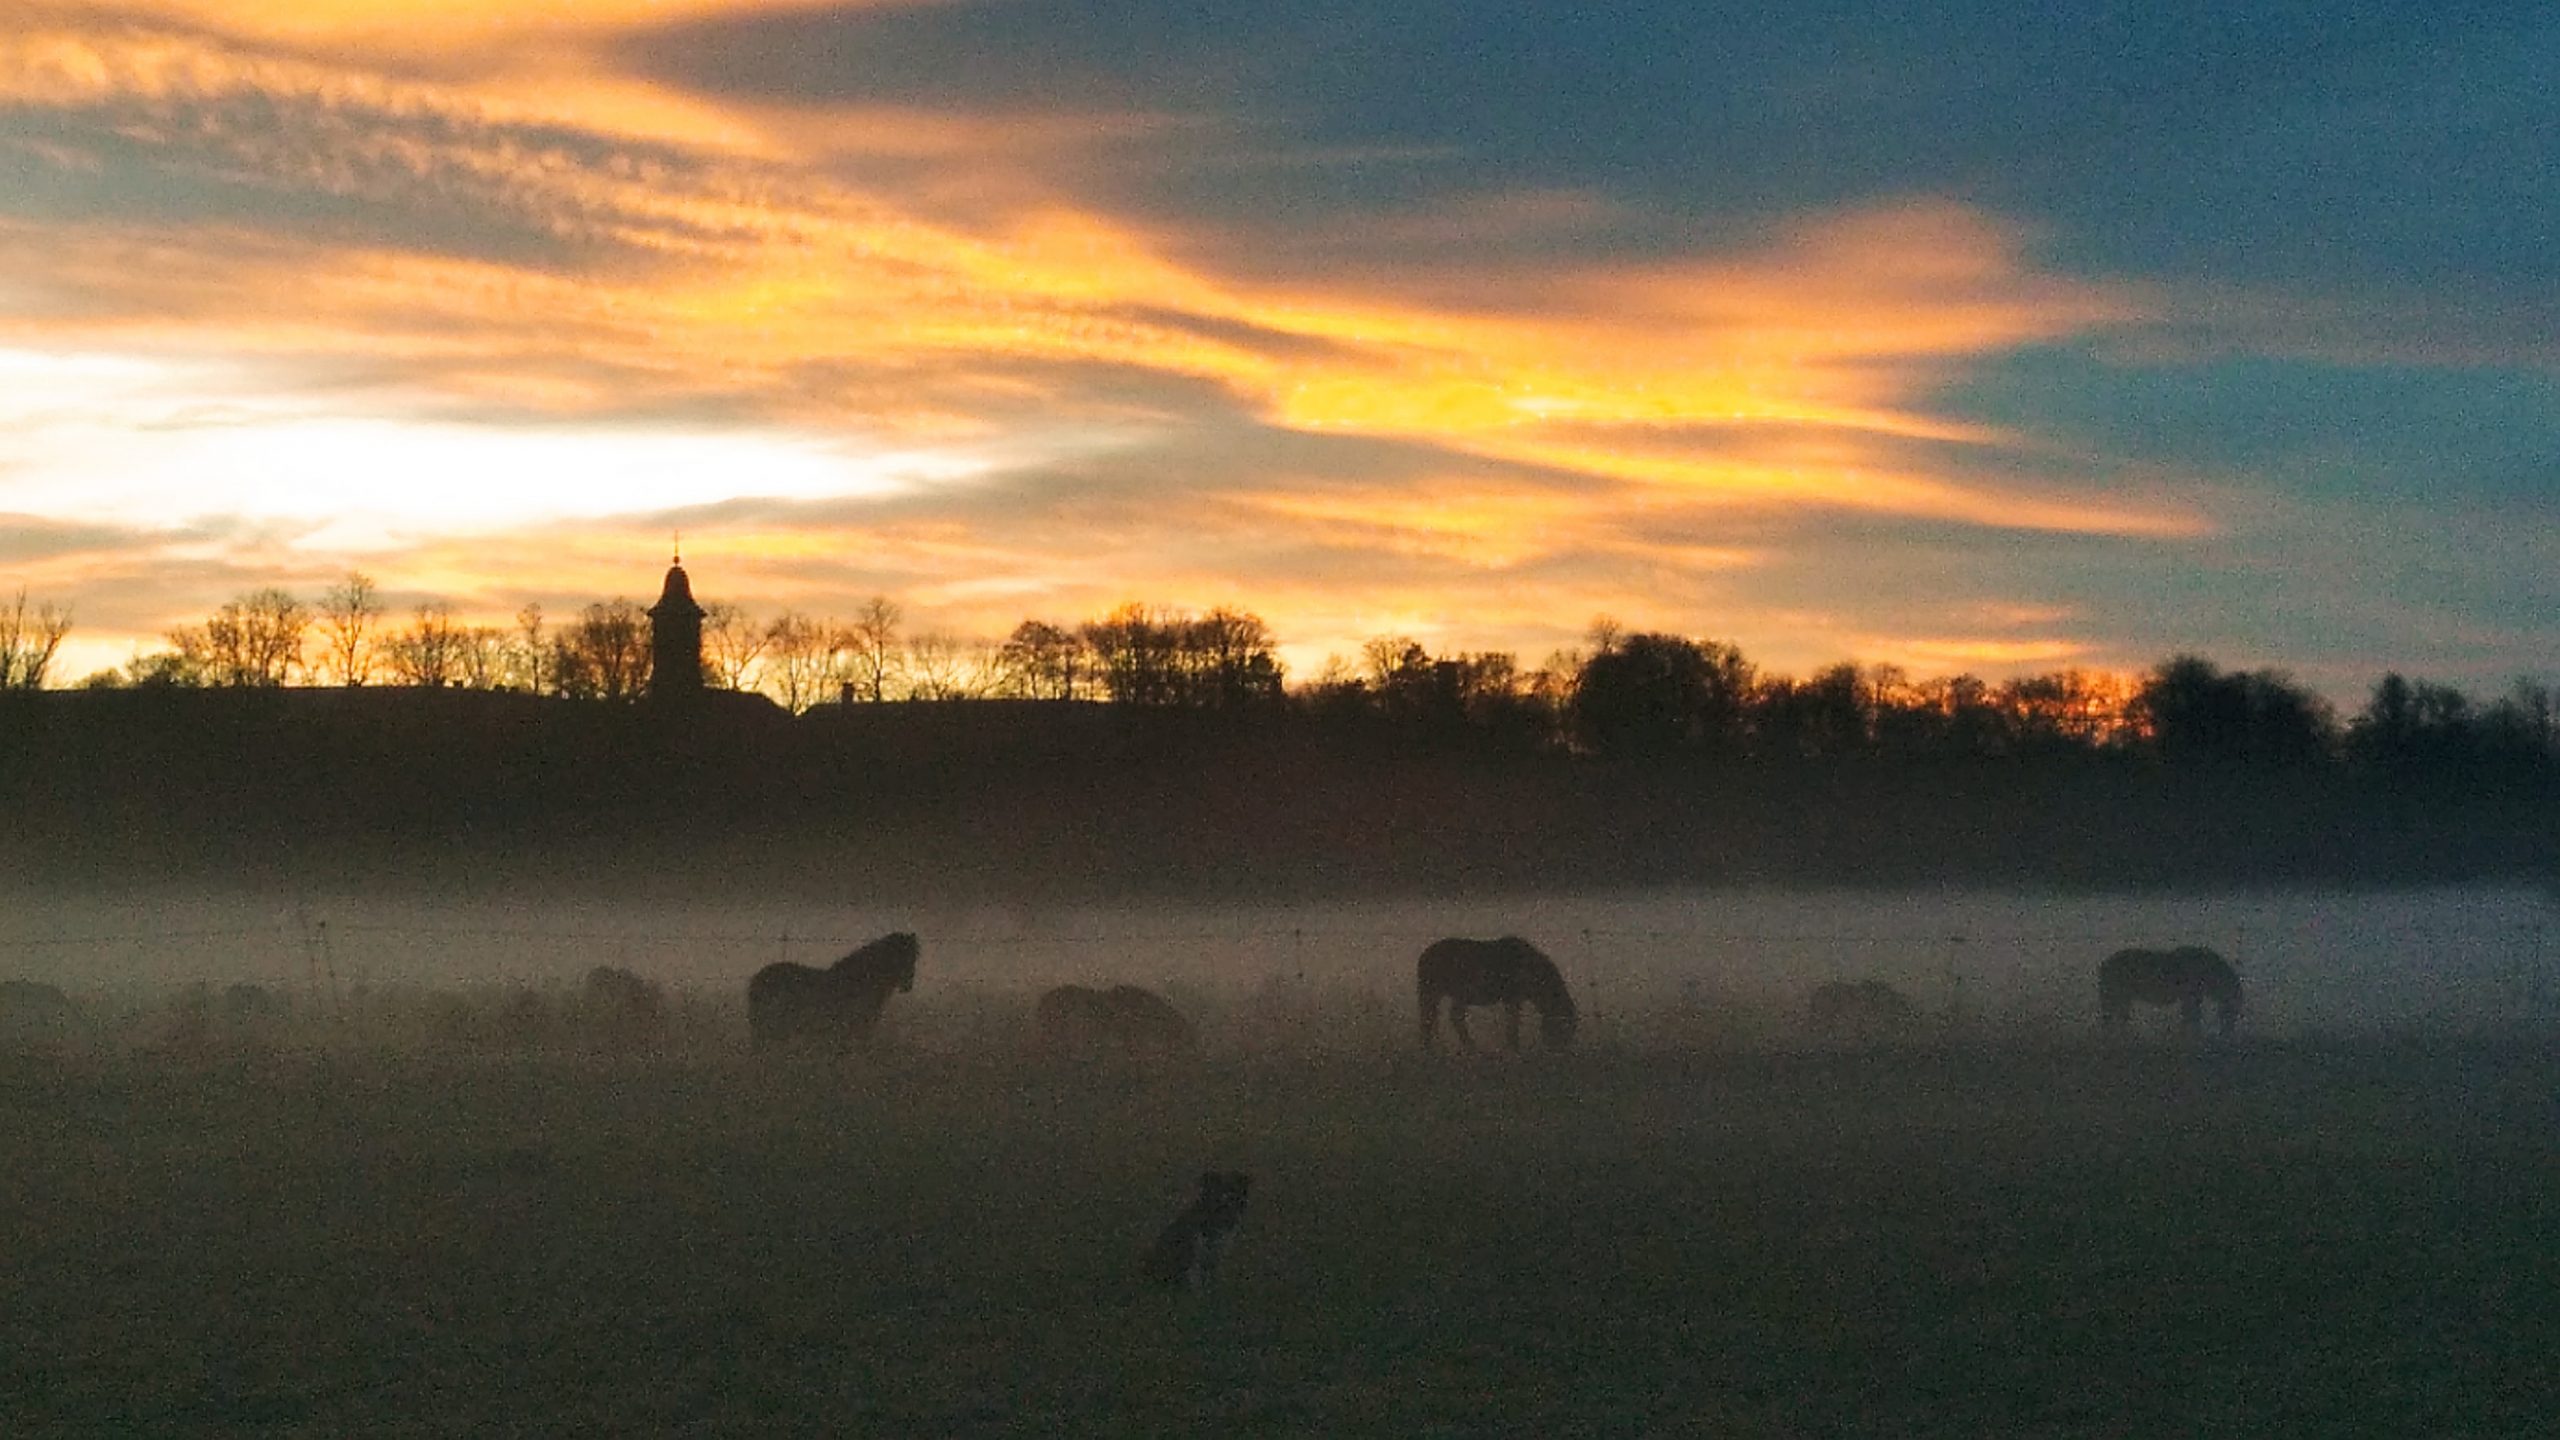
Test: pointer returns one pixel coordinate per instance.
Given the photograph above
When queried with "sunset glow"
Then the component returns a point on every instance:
(489, 300)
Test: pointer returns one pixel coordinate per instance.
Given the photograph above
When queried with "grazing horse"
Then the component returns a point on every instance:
(1508, 972)
(2185, 977)
(786, 1002)
(32, 997)
(1865, 1010)
(249, 1004)
(1187, 1251)
(33, 1012)
(1080, 1019)
(623, 1009)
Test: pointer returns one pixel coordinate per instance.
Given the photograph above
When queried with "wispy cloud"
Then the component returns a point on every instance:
(724, 274)
(391, 279)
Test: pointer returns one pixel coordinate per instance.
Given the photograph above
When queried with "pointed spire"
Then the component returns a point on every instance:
(675, 633)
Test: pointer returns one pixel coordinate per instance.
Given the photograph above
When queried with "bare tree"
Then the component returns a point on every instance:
(605, 656)
(29, 643)
(943, 667)
(1650, 694)
(1445, 695)
(1139, 653)
(429, 652)
(804, 660)
(1828, 715)
(731, 643)
(2067, 707)
(1232, 659)
(255, 640)
(529, 656)
(872, 648)
(2189, 708)
(2526, 720)
(1039, 661)
(1550, 687)
(349, 610)
(485, 657)
(172, 669)
(1385, 659)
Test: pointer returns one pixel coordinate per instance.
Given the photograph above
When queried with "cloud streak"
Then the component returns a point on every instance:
(357, 247)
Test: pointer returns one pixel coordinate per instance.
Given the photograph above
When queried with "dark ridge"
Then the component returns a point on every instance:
(438, 789)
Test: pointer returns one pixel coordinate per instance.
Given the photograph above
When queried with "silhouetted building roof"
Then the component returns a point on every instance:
(676, 600)
(675, 637)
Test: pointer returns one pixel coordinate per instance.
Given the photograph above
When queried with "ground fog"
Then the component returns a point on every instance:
(418, 1188)
(1684, 967)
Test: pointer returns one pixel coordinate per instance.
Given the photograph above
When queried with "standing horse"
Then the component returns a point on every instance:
(786, 1002)
(2185, 977)
(35, 1014)
(1080, 1020)
(1508, 972)
(623, 1010)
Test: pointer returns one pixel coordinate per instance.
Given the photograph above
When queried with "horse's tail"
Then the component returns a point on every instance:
(1427, 1000)
(2226, 993)
(2115, 990)
(1430, 987)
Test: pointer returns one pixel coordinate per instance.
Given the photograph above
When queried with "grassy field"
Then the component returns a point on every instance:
(2298, 1238)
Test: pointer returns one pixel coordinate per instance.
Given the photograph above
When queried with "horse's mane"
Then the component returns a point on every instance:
(889, 955)
(1542, 982)
(2213, 972)
(1553, 996)
(2191, 967)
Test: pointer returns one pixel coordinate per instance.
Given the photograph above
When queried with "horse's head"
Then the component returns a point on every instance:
(1557, 1020)
(891, 959)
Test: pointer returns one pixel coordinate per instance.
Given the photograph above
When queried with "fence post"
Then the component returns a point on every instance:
(1599, 1022)
(1955, 981)
(323, 965)
(2537, 999)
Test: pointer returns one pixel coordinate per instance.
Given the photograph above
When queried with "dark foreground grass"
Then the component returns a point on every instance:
(2332, 1240)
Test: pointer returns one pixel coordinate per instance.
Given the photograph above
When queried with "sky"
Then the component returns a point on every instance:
(2000, 337)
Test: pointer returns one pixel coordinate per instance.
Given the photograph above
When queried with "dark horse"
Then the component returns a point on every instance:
(1079, 1018)
(623, 1010)
(1508, 972)
(2185, 977)
(1865, 1010)
(31, 1010)
(786, 1002)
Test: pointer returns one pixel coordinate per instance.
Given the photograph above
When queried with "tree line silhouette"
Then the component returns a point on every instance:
(1643, 696)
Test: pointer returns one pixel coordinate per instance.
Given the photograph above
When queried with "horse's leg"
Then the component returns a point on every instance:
(1430, 1016)
(1458, 1023)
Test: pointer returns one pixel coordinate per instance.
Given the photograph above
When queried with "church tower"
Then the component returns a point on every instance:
(675, 638)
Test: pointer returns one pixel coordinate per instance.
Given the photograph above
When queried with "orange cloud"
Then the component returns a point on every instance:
(1831, 326)
(407, 27)
(666, 253)
(1940, 653)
